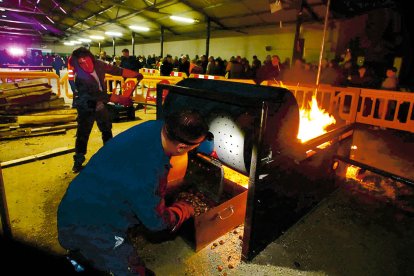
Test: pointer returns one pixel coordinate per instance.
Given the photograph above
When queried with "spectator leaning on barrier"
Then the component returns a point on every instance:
(91, 98)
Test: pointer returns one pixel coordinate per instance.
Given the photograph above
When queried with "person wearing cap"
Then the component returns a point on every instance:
(91, 98)
(124, 185)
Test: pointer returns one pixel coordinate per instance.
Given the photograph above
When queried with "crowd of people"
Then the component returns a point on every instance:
(340, 71)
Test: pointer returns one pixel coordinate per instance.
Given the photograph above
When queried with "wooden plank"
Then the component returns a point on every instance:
(17, 135)
(66, 111)
(48, 128)
(23, 83)
(45, 119)
(56, 103)
(43, 155)
(24, 91)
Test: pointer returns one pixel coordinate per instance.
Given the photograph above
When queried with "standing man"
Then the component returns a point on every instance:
(129, 62)
(124, 184)
(91, 99)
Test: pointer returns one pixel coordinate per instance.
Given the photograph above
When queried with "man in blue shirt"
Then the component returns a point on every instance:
(124, 184)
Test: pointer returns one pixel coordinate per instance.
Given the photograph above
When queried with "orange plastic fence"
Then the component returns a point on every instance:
(389, 109)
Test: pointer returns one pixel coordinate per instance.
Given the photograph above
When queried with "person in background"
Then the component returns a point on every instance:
(256, 64)
(57, 64)
(104, 57)
(184, 65)
(236, 70)
(91, 99)
(167, 66)
(198, 68)
(124, 185)
(204, 63)
(269, 71)
(391, 80)
(330, 72)
(211, 66)
(364, 78)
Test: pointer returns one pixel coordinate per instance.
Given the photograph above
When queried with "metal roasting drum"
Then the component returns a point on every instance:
(255, 133)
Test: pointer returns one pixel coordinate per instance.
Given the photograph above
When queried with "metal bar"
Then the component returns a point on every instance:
(162, 41)
(325, 26)
(297, 30)
(208, 36)
(133, 43)
(210, 94)
(328, 136)
(253, 179)
(375, 170)
(4, 211)
(113, 46)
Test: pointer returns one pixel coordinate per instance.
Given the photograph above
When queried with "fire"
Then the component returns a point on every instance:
(313, 121)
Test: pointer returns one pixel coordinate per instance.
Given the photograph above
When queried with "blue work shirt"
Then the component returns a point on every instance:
(119, 186)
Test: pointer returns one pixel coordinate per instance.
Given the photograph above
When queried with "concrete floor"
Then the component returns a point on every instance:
(349, 233)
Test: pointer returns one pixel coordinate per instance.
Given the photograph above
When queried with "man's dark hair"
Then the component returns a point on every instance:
(125, 50)
(185, 125)
(82, 52)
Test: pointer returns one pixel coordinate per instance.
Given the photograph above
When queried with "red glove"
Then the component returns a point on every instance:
(183, 211)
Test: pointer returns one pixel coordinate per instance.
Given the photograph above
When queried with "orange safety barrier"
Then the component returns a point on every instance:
(207, 77)
(178, 74)
(125, 99)
(391, 109)
(383, 108)
(151, 95)
(149, 72)
(64, 83)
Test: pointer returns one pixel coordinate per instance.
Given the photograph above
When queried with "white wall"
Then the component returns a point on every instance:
(281, 43)
(246, 46)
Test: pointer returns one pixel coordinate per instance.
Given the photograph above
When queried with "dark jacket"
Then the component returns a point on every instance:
(87, 87)
(130, 62)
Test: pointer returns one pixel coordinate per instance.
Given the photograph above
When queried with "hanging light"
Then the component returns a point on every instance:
(139, 28)
(84, 40)
(96, 37)
(113, 34)
(182, 19)
(48, 18)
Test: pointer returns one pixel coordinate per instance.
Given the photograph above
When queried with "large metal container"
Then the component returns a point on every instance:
(255, 129)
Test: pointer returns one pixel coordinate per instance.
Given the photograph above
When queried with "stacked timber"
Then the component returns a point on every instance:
(28, 95)
(36, 124)
(30, 108)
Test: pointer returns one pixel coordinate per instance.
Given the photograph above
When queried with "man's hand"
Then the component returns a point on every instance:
(196, 200)
(182, 211)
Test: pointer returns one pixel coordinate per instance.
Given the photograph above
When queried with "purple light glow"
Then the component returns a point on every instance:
(16, 52)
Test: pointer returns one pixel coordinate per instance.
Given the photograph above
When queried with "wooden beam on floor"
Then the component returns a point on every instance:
(39, 156)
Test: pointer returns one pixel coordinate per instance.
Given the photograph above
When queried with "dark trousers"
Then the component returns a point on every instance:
(86, 119)
(102, 249)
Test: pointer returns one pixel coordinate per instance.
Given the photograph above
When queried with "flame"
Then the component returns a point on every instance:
(313, 121)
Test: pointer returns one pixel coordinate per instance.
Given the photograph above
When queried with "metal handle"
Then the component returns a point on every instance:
(231, 213)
